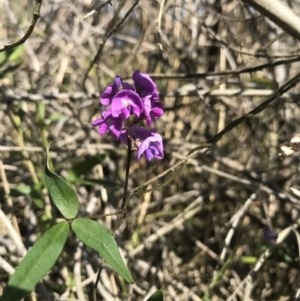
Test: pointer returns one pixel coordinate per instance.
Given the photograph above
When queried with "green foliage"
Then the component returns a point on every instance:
(37, 262)
(242, 162)
(249, 259)
(79, 170)
(42, 256)
(20, 190)
(40, 112)
(10, 61)
(25, 190)
(11, 55)
(157, 296)
(82, 168)
(99, 238)
(36, 195)
(4, 72)
(56, 116)
(62, 194)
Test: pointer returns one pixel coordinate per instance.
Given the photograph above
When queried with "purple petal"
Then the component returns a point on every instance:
(148, 155)
(127, 86)
(107, 95)
(140, 133)
(157, 110)
(129, 100)
(144, 146)
(116, 129)
(117, 84)
(124, 136)
(97, 122)
(144, 85)
(113, 89)
(147, 109)
(151, 145)
(125, 113)
(103, 129)
(108, 123)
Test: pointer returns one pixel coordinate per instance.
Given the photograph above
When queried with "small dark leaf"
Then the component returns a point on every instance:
(157, 296)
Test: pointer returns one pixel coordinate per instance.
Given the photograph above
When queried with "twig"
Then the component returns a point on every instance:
(235, 222)
(101, 289)
(226, 72)
(36, 15)
(98, 55)
(38, 149)
(159, 23)
(77, 272)
(262, 259)
(200, 149)
(4, 265)
(13, 234)
(8, 199)
(97, 8)
(245, 181)
(180, 286)
(216, 279)
(239, 50)
(206, 249)
(280, 14)
(184, 91)
(190, 211)
(284, 88)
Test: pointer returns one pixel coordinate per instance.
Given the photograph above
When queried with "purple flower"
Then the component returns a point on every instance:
(147, 142)
(152, 111)
(147, 90)
(108, 123)
(126, 103)
(145, 86)
(113, 89)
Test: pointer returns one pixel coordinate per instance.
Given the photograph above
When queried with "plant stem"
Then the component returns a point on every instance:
(120, 216)
(129, 151)
(124, 204)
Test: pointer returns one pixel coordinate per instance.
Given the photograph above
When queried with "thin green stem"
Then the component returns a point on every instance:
(120, 216)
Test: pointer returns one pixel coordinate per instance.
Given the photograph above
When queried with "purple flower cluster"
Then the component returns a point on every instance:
(128, 105)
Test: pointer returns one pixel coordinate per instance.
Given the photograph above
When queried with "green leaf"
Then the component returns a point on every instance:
(99, 238)
(157, 296)
(36, 195)
(16, 53)
(62, 194)
(249, 259)
(37, 262)
(57, 116)
(20, 190)
(11, 55)
(41, 111)
(84, 167)
(3, 58)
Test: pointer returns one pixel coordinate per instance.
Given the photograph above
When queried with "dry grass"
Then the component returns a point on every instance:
(196, 232)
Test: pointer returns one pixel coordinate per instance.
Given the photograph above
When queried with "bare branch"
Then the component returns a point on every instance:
(187, 90)
(279, 14)
(98, 55)
(36, 15)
